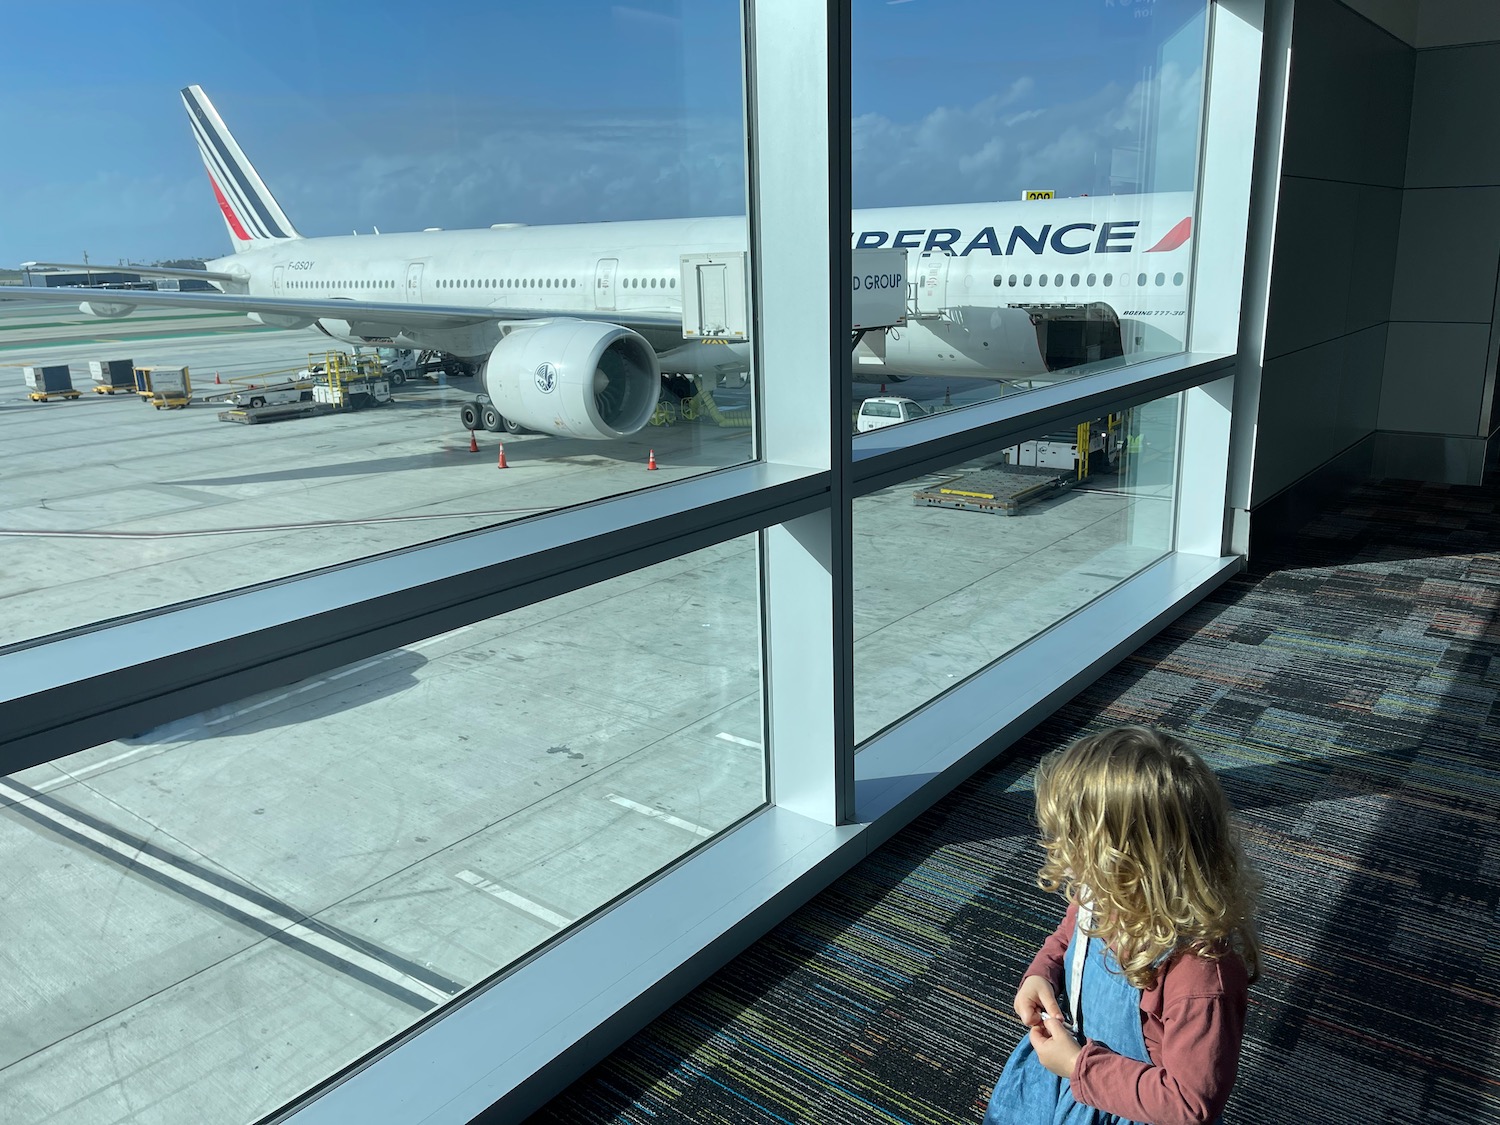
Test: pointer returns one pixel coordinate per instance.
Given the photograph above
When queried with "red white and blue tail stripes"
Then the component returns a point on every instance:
(250, 210)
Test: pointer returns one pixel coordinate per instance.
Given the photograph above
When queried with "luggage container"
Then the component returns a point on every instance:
(112, 376)
(170, 387)
(51, 381)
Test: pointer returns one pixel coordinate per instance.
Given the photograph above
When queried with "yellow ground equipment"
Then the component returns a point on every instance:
(48, 382)
(349, 381)
(169, 388)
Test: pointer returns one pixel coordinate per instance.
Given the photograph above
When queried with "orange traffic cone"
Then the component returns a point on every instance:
(500, 464)
(651, 460)
(473, 445)
(216, 378)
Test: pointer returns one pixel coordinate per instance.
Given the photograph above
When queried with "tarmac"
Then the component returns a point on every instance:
(205, 919)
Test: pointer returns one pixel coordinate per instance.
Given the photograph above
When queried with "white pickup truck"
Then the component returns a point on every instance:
(887, 410)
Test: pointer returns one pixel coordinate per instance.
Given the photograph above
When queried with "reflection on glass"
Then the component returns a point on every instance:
(393, 360)
(1046, 200)
(206, 918)
(954, 570)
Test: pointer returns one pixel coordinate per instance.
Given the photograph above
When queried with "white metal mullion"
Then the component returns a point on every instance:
(899, 453)
(799, 110)
(1264, 28)
(1231, 102)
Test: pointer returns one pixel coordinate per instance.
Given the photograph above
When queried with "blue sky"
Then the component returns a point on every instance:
(459, 113)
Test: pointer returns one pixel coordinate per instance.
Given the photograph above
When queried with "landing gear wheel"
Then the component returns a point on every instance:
(490, 418)
(468, 416)
(512, 427)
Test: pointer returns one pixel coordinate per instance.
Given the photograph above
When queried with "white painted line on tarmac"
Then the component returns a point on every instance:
(661, 814)
(200, 886)
(70, 776)
(505, 894)
(739, 741)
(241, 712)
(441, 637)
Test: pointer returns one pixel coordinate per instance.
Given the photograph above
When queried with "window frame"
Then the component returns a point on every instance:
(830, 807)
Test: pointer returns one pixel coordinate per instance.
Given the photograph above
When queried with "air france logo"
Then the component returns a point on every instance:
(1069, 238)
(546, 378)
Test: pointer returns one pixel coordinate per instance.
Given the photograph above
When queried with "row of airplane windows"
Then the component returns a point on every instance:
(1141, 280)
(378, 284)
(499, 283)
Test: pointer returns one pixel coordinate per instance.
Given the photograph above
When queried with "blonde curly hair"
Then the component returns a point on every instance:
(1135, 823)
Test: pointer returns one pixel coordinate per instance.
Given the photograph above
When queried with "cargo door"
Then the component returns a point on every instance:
(276, 275)
(932, 284)
(414, 283)
(604, 283)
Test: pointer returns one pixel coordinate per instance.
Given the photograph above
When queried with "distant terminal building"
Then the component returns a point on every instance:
(97, 279)
(110, 279)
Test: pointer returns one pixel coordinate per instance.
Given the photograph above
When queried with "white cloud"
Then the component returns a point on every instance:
(1010, 142)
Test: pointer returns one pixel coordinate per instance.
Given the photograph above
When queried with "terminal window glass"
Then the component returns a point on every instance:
(209, 506)
(340, 856)
(1125, 185)
(1007, 545)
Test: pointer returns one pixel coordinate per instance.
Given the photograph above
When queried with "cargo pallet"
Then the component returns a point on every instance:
(43, 396)
(276, 412)
(1003, 489)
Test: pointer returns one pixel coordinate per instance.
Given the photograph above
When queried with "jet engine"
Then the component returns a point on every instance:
(574, 378)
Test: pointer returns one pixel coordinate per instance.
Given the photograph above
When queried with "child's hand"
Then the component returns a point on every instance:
(1035, 998)
(1055, 1047)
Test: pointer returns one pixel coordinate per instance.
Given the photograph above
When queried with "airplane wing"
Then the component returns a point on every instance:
(143, 271)
(367, 318)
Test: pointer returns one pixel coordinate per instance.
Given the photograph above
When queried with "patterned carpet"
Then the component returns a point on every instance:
(1348, 689)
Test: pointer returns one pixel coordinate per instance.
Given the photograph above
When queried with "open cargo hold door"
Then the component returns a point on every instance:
(1072, 335)
(931, 285)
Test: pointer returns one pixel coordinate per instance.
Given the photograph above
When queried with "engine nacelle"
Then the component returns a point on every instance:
(107, 310)
(574, 378)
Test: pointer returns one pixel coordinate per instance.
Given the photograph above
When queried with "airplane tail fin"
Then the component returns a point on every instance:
(250, 210)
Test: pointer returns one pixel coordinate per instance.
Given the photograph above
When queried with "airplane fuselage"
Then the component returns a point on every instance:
(972, 271)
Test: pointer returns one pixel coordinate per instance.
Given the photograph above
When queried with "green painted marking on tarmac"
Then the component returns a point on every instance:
(76, 341)
(138, 319)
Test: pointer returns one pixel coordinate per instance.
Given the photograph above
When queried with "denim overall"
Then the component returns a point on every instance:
(1106, 1008)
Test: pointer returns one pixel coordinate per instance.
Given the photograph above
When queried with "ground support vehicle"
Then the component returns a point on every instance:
(1000, 489)
(280, 412)
(348, 382)
(886, 410)
(399, 365)
(1060, 450)
(274, 394)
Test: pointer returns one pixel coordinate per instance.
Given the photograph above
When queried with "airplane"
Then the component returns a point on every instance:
(574, 329)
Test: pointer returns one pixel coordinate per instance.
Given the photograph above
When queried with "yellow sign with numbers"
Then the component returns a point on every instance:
(1038, 195)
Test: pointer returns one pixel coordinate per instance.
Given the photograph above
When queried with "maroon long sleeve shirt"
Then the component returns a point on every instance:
(1192, 1021)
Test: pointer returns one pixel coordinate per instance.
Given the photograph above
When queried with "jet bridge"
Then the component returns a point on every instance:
(715, 292)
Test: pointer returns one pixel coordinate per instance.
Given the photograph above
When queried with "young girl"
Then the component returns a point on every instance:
(1136, 1004)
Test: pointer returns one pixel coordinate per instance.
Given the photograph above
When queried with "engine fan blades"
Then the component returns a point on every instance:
(609, 400)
